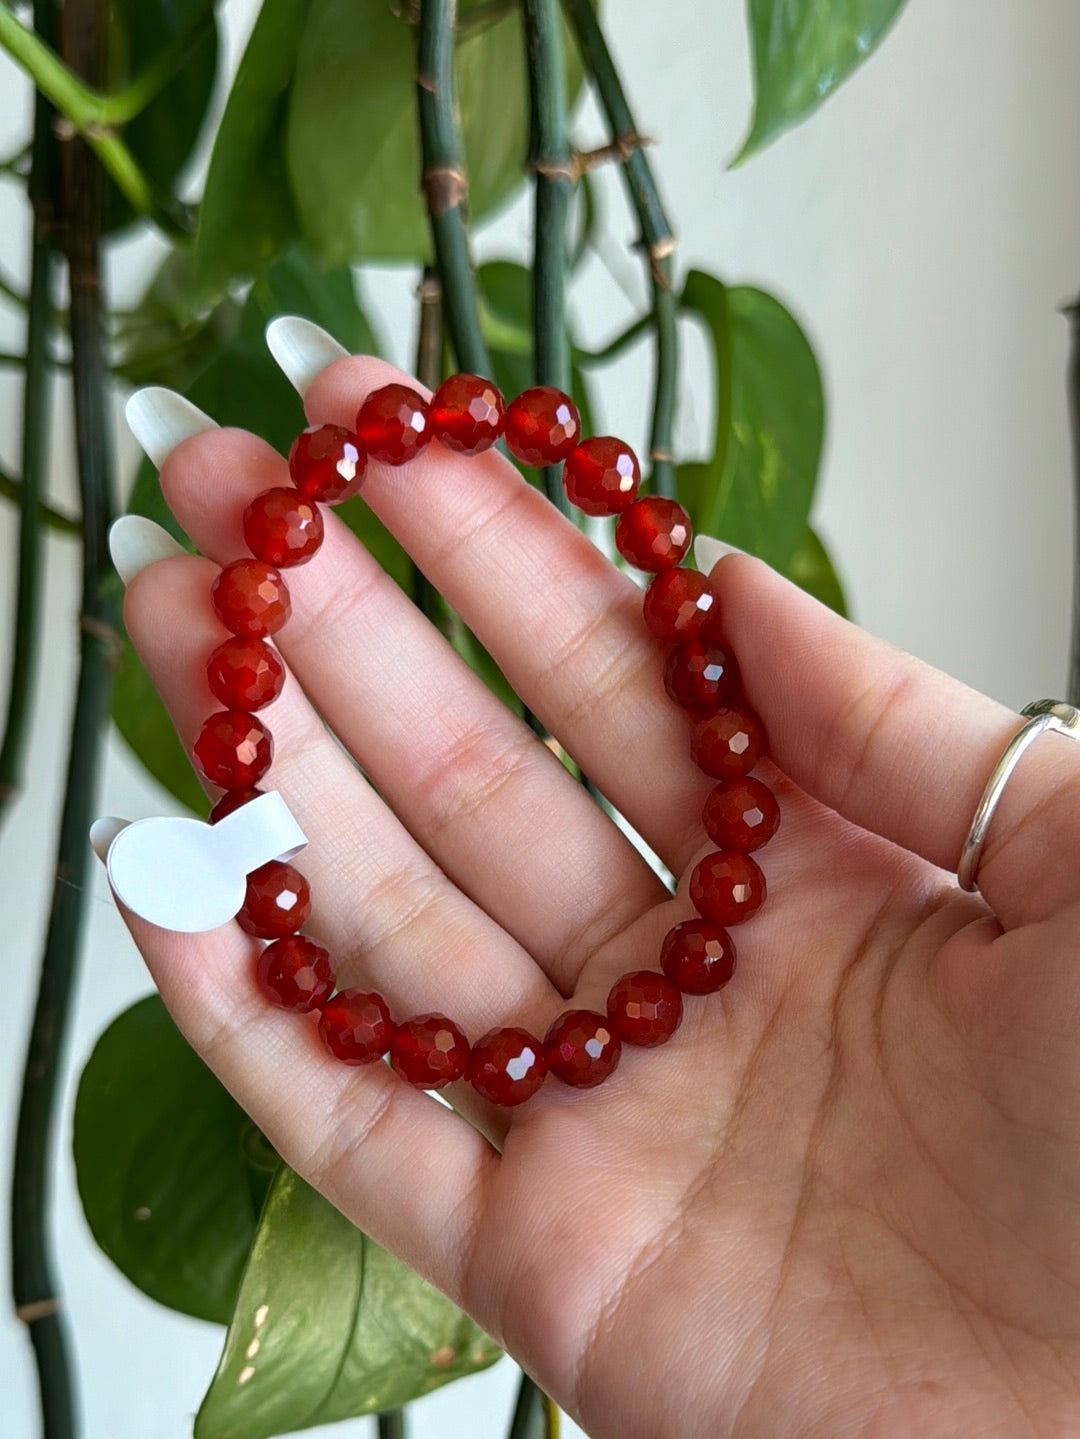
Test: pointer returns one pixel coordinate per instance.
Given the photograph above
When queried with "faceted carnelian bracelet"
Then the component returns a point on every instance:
(284, 527)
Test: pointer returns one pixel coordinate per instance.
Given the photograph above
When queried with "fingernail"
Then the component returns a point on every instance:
(135, 542)
(302, 349)
(159, 419)
(709, 552)
(103, 832)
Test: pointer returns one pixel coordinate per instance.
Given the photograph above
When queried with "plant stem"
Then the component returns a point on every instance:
(1072, 386)
(526, 1421)
(656, 234)
(429, 341)
(35, 425)
(11, 489)
(445, 185)
(34, 1287)
(391, 1424)
(549, 159)
(86, 110)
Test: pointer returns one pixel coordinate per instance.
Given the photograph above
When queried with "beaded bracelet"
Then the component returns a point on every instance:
(284, 527)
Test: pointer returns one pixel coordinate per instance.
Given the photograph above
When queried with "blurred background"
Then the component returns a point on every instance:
(925, 229)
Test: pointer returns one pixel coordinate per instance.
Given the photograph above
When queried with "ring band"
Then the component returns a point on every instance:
(1042, 715)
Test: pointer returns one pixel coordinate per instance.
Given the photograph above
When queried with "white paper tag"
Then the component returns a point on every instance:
(189, 876)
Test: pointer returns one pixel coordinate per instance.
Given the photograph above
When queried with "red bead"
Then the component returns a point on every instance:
(645, 1008)
(698, 956)
(654, 533)
(582, 1048)
(356, 1026)
(429, 1051)
(251, 599)
(467, 414)
(245, 674)
(679, 605)
(507, 1066)
(741, 814)
(393, 424)
(602, 476)
(283, 527)
(325, 462)
(233, 799)
(727, 886)
(542, 426)
(295, 973)
(277, 903)
(729, 743)
(700, 676)
(233, 749)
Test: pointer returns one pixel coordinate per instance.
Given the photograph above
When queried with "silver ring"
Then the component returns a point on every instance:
(1042, 715)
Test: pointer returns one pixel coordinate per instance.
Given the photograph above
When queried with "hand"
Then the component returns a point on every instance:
(844, 1199)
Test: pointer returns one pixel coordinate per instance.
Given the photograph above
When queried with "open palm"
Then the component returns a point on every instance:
(845, 1197)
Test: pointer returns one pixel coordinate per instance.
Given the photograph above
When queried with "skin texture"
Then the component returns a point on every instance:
(845, 1198)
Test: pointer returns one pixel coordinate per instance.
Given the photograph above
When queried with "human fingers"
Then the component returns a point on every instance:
(385, 910)
(897, 746)
(563, 623)
(494, 807)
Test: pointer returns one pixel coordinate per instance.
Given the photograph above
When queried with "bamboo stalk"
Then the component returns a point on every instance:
(550, 160)
(656, 235)
(36, 1292)
(445, 185)
(1072, 388)
(35, 425)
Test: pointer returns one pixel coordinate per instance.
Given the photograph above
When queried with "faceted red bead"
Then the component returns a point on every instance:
(507, 1066)
(233, 799)
(645, 1008)
(251, 599)
(654, 533)
(727, 886)
(393, 424)
(467, 414)
(679, 605)
(741, 814)
(582, 1048)
(429, 1051)
(233, 749)
(698, 956)
(601, 476)
(700, 676)
(245, 674)
(283, 527)
(542, 426)
(356, 1026)
(277, 903)
(326, 461)
(295, 973)
(729, 743)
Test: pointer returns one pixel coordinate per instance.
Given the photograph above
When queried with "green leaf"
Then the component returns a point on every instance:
(146, 728)
(241, 385)
(756, 490)
(803, 50)
(352, 146)
(246, 217)
(327, 1326)
(813, 571)
(171, 1172)
(162, 136)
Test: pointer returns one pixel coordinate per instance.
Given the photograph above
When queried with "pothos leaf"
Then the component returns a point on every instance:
(327, 1326)
(804, 49)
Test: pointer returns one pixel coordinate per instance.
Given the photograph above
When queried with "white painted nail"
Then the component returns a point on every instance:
(302, 349)
(135, 542)
(103, 832)
(159, 419)
(709, 552)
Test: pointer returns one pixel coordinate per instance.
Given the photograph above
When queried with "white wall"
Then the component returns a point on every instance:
(925, 226)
